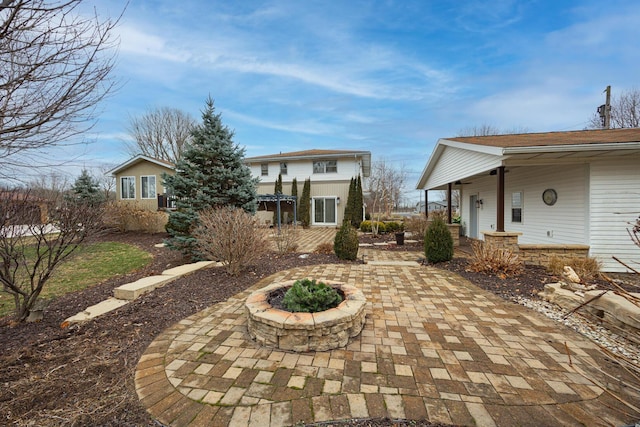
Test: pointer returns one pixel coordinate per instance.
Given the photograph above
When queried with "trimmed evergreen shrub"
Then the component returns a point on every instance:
(307, 296)
(438, 242)
(304, 210)
(365, 226)
(345, 243)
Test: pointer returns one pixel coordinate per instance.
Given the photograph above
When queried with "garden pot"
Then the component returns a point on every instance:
(400, 238)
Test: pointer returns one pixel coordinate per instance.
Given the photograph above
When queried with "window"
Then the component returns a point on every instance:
(148, 186)
(326, 166)
(516, 207)
(283, 168)
(324, 210)
(264, 169)
(128, 187)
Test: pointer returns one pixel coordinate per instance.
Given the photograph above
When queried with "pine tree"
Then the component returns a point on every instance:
(305, 203)
(358, 205)
(277, 189)
(87, 188)
(210, 173)
(348, 209)
(294, 192)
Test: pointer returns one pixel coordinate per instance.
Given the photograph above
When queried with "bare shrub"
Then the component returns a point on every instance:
(231, 236)
(417, 226)
(286, 239)
(325, 248)
(125, 216)
(587, 268)
(31, 249)
(493, 260)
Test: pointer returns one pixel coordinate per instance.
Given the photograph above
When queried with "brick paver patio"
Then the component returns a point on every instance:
(434, 347)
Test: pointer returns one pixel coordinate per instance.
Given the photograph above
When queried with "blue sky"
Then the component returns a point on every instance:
(386, 76)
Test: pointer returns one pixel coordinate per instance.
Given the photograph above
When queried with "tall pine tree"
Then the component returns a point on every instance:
(210, 173)
(305, 204)
(348, 209)
(294, 193)
(277, 189)
(358, 205)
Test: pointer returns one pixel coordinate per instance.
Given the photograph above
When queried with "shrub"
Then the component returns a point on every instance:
(417, 226)
(125, 216)
(346, 242)
(586, 268)
(307, 296)
(438, 242)
(231, 236)
(365, 226)
(393, 226)
(493, 260)
(325, 248)
(287, 239)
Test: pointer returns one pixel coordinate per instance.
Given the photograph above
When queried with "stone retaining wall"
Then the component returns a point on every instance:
(302, 332)
(542, 254)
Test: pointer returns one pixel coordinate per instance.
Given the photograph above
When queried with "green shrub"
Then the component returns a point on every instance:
(438, 242)
(346, 243)
(393, 226)
(307, 296)
(365, 226)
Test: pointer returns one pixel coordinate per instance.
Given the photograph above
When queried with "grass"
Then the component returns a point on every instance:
(90, 265)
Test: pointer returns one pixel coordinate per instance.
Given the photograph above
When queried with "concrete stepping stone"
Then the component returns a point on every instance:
(96, 310)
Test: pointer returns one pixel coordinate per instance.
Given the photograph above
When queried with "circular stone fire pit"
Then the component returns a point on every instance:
(320, 331)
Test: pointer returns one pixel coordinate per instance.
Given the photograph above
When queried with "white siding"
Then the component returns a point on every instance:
(303, 169)
(615, 201)
(566, 221)
(456, 163)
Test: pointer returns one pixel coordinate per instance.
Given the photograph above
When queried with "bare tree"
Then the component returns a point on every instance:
(31, 249)
(488, 130)
(385, 188)
(52, 184)
(625, 112)
(161, 133)
(54, 70)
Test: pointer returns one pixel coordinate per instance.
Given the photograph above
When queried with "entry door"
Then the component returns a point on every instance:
(324, 211)
(473, 217)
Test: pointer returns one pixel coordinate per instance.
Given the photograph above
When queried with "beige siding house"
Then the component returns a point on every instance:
(330, 172)
(139, 181)
(556, 192)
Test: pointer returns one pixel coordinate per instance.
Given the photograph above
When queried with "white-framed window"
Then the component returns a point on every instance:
(516, 206)
(148, 186)
(283, 168)
(325, 166)
(264, 169)
(325, 210)
(127, 187)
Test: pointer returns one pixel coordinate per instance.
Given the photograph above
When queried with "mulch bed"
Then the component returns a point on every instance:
(83, 374)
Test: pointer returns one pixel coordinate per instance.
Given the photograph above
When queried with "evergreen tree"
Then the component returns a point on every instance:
(210, 173)
(276, 190)
(294, 192)
(348, 209)
(305, 204)
(87, 188)
(358, 205)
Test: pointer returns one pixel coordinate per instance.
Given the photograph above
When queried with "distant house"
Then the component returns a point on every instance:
(440, 206)
(552, 193)
(330, 172)
(139, 181)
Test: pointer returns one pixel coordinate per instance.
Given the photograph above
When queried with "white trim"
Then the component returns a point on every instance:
(313, 210)
(137, 159)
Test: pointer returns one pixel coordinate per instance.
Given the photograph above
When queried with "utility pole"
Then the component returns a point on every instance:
(605, 110)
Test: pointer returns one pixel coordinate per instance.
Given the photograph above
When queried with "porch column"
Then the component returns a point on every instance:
(426, 204)
(449, 203)
(500, 207)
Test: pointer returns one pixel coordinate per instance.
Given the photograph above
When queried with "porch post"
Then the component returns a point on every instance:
(426, 204)
(449, 203)
(500, 207)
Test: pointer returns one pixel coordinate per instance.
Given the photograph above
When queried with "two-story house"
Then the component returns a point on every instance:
(330, 172)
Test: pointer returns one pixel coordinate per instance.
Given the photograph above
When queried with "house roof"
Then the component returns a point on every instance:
(488, 152)
(137, 159)
(317, 154)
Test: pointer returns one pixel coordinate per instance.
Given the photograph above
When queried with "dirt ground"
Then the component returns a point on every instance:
(83, 374)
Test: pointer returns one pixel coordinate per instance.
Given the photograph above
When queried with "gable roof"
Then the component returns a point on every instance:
(496, 150)
(317, 154)
(140, 158)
